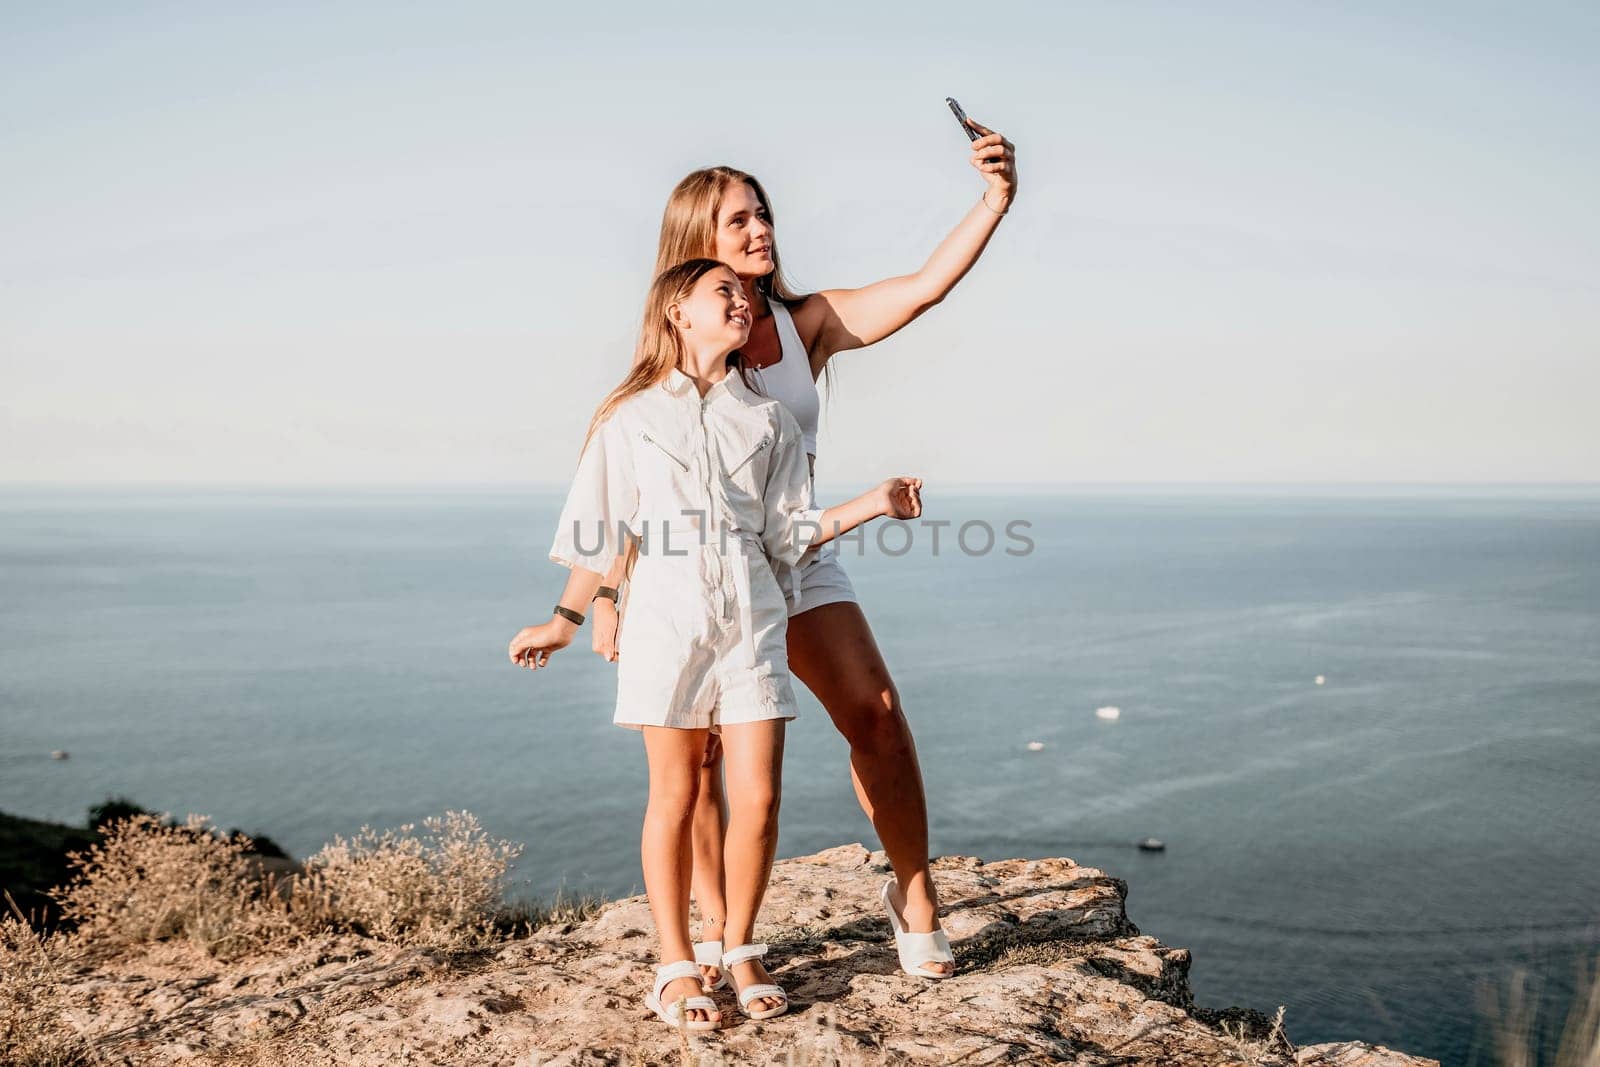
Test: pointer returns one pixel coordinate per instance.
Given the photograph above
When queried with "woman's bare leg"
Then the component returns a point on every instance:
(675, 757)
(832, 651)
(710, 828)
(754, 759)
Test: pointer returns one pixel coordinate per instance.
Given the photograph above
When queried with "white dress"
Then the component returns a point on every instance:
(715, 490)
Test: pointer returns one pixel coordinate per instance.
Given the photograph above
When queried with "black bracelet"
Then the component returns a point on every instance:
(607, 592)
(570, 615)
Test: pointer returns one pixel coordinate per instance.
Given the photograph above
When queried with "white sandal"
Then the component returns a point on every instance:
(916, 949)
(709, 954)
(671, 1013)
(742, 954)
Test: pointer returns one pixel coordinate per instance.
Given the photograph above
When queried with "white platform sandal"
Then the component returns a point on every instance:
(670, 1013)
(709, 954)
(743, 954)
(916, 949)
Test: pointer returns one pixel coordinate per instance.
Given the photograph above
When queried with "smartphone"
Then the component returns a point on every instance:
(961, 117)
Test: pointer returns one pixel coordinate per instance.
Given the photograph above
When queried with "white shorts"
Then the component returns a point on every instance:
(822, 581)
(705, 644)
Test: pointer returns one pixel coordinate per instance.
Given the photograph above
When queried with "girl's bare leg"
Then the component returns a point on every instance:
(674, 757)
(832, 650)
(710, 826)
(754, 759)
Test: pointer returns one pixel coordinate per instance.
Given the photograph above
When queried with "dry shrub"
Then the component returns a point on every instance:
(1253, 1051)
(149, 881)
(33, 981)
(440, 889)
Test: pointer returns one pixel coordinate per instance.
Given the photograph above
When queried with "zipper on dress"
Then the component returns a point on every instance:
(664, 451)
(761, 446)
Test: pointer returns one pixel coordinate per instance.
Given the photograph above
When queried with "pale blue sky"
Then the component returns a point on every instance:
(370, 243)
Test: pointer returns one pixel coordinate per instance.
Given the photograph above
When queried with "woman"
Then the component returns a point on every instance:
(725, 214)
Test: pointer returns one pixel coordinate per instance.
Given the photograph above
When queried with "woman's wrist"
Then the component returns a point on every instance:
(1004, 199)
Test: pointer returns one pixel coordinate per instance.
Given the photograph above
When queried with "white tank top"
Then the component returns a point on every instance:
(789, 380)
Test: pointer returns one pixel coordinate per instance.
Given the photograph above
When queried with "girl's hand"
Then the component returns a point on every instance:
(996, 159)
(901, 498)
(534, 645)
(604, 613)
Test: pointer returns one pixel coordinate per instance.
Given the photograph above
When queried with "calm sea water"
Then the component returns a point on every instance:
(1365, 852)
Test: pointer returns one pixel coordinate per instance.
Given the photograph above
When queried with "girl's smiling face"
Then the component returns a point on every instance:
(744, 232)
(716, 311)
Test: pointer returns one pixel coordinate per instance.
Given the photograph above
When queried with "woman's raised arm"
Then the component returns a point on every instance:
(837, 320)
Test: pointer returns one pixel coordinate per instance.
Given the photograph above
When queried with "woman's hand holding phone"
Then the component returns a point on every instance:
(993, 156)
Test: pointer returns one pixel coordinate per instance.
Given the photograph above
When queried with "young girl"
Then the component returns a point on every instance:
(710, 479)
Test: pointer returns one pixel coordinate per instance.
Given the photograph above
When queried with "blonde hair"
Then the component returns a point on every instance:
(660, 346)
(689, 230)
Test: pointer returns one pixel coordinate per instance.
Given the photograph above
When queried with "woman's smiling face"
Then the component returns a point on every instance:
(744, 232)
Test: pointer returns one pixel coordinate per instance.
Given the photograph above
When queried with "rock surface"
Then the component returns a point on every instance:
(1050, 970)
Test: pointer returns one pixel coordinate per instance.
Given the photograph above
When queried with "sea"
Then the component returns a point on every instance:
(1364, 720)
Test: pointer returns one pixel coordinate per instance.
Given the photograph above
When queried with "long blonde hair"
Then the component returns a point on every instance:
(689, 230)
(660, 346)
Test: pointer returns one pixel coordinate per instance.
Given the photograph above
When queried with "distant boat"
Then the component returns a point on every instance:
(1108, 713)
(1320, 680)
(1035, 746)
(59, 753)
(1152, 844)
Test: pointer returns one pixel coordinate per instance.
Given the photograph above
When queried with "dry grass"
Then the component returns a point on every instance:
(150, 881)
(33, 979)
(153, 881)
(523, 917)
(440, 889)
(1271, 1047)
(1580, 1037)
(1514, 1027)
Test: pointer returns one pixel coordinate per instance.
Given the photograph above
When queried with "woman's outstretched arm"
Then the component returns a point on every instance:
(837, 320)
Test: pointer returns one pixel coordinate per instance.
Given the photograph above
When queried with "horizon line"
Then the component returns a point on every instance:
(1008, 486)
